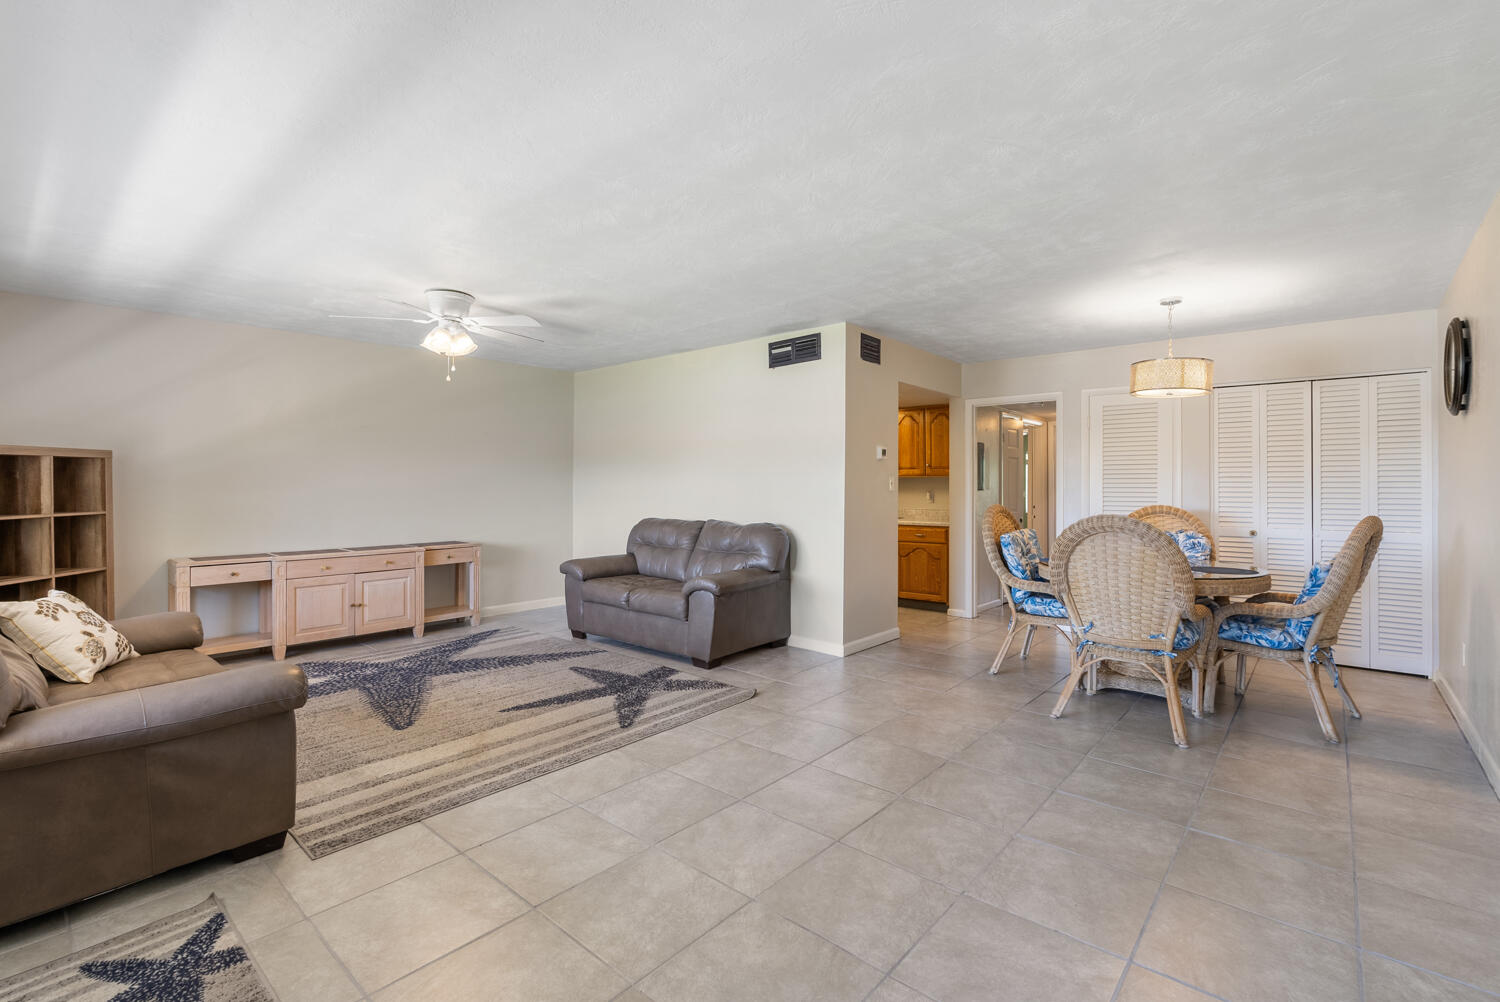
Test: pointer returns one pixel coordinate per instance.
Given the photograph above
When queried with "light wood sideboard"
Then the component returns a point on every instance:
(310, 595)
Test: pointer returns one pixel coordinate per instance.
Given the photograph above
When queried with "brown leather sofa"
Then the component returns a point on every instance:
(163, 759)
(701, 589)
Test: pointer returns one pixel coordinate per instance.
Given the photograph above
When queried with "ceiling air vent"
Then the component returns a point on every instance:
(869, 347)
(803, 348)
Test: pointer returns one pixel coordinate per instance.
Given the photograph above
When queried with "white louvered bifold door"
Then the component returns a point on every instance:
(1286, 530)
(1400, 629)
(1132, 453)
(1341, 473)
(1262, 489)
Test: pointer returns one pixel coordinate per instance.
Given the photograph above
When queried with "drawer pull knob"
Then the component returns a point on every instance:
(328, 567)
(234, 574)
(447, 556)
(389, 562)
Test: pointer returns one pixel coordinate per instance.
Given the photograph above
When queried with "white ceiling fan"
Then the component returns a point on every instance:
(448, 311)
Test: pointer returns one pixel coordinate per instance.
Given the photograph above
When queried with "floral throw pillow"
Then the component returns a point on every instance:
(1194, 545)
(62, 634)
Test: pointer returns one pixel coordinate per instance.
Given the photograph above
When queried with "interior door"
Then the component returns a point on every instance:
(1401, 635)
(385, 600)
(1133, 445)
(319, 608)
(1039, 483)
(1262, 480)
(1341, 463)
(1013, 467)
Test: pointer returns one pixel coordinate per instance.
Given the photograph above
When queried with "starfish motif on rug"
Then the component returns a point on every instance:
(629, 691)
(396, 690)
(179, 978)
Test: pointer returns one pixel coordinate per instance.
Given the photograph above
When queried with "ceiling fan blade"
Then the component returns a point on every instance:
(496, 333)
(517, 320)
(408, 320)
(420, 309)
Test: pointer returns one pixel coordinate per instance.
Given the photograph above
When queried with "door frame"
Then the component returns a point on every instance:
(966, 539)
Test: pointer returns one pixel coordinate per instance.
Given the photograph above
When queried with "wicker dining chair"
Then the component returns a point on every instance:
(1130, 597)
(1299, 630)
(1169, 519)
(996, 518)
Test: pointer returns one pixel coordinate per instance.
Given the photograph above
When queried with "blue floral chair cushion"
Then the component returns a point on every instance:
(1272, 632)
(1041, 605)
(1020, 550)
(1194, 545)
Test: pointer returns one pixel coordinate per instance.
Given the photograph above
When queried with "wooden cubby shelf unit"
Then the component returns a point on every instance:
(57, 524)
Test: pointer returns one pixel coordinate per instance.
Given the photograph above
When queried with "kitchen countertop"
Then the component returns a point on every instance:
(918, 521)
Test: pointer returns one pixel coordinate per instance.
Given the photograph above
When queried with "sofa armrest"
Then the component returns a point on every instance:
(730, 582)
(155, 713)
(162, 631)
(584, 568)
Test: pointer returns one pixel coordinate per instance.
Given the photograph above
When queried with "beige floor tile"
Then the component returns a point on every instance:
(785, 698)
(35, 953)
(865, 905)
(737, 768)
(935, 737)
(976, 952)
(1323, 760)
(1275, 784)
(1191, 765)
(32, 930)
(1459, 878)
(891, 990)
(1142, 985)
(637, 914)
(250, 893)
(552, 855)
(1298, 723)
(850, 713)
(670, 747)
(998, 752)
(1104, 707)
(1145, 792)
(1294, 891)
(932, 843)
(880, 763)
(1445, 789)
(823, 801)
(1231, 953)
(746, 847)
(1097, 830)
(996, 801)
(595, 776)
(391, 931)
(739, 719)
(1473, 830)
(1441, 937)
(1099, 904)
(348, 873)
(1148, 718)
(1414, 742)
(1316, 838)
(529, 960)
(658, 805)
(1388, 981)
(299, 967)
(798, 738)
(490, 817)
(758, 956)
(1074, 733)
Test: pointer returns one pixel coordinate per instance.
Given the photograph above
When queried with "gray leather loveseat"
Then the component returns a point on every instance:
(701, 589)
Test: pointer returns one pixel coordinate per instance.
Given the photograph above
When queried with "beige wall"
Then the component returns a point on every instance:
(871, 505)
(715, 433)
(1468, 485)
(1391, 342)
(911, 492)
(230, 439)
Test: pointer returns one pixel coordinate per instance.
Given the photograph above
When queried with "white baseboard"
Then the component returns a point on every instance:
(1486, 755)
(844, 650)
(957, 613)
(983, 606)
(873, 640)
(509, 607)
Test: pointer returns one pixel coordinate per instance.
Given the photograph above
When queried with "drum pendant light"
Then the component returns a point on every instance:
(1172, 376)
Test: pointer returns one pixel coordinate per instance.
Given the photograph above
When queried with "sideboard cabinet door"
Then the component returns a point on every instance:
(385, 600)
(319, 608)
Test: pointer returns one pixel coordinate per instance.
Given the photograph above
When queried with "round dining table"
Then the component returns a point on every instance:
(1212, 581)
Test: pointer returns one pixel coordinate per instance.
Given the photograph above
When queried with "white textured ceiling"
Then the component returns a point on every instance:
(979, 178)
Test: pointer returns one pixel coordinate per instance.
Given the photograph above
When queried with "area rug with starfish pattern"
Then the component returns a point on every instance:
(194, 955)
(426, 726)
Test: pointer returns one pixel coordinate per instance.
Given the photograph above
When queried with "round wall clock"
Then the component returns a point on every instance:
(1456, 366)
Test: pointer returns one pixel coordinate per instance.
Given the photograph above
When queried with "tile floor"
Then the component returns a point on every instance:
(900, 825)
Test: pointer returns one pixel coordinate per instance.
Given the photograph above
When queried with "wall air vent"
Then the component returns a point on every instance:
(869, 347)
(803, 348)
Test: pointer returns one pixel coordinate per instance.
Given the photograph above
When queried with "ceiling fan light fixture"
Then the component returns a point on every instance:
(1171, 376)
(450, 339)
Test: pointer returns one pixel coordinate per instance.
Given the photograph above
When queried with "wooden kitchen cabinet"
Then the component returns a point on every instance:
(922, 563)
(922, 441)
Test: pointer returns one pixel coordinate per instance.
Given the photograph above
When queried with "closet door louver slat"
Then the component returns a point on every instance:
(1133, 457)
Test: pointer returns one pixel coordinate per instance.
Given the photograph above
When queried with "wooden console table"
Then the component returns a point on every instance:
(308, 595)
